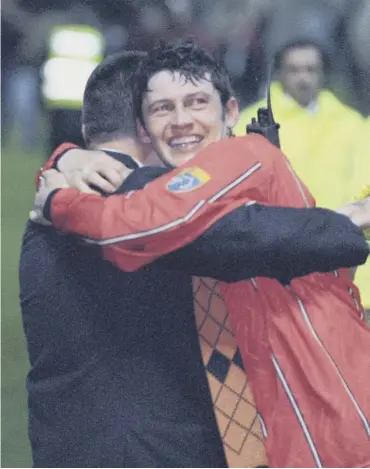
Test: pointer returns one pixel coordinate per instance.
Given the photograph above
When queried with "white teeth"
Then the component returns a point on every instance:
(184, 142)
(183, 145)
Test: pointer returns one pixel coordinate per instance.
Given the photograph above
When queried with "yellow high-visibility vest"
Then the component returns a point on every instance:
(74, 52)
(329, 149)
(361, 180)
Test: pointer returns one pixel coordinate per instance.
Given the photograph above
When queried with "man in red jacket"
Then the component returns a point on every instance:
(285, 329)
(294, 421)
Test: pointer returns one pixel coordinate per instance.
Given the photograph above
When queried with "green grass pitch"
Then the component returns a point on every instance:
(18, 168)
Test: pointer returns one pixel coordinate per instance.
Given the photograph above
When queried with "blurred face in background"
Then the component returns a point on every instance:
(183, 116)
(301, 73)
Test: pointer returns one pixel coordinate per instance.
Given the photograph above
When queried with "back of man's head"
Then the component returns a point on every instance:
(108, 107)
(190, 60)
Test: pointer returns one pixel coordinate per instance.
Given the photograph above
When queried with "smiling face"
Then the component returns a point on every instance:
(183, 116)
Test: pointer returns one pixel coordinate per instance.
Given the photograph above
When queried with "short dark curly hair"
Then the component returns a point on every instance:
(190, 60)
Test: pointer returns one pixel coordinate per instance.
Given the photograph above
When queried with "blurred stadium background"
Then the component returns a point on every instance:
(243, 32)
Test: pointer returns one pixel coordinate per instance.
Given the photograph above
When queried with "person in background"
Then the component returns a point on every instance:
(319, 134)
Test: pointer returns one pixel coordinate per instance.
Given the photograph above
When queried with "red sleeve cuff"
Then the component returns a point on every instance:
(47, 206)
(57, 201)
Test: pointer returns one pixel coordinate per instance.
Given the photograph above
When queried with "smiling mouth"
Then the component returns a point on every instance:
(185, 143)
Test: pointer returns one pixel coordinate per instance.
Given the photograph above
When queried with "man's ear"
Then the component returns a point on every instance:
(231, 113)
(142, 133)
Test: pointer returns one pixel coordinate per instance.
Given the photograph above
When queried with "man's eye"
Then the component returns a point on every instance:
(161, 108)
(198, 102)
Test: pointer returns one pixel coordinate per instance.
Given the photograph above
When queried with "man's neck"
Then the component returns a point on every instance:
(312, 106)
(124, 145)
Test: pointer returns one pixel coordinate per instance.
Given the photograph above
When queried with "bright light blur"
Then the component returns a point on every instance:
(75, 44)
(65, 79)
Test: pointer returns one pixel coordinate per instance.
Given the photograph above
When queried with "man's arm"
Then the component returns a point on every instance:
(172, 211)
(276, 242)
(256, 240)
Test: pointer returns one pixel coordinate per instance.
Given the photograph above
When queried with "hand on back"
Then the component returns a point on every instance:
(88, 170)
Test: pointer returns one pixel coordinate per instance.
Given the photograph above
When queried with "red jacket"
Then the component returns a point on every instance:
(138, 227)
(305, 345)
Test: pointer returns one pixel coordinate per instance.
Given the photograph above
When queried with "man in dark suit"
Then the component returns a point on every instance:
(111, 384)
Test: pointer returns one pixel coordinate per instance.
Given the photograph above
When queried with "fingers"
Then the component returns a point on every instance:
(53, 179)
(116, 176)
(125, 173)
(84, 187)
(358, 212)
(106, 179)
(95, 179)
(115, 165)
(99, 175)
(93, 172)
(49, 181)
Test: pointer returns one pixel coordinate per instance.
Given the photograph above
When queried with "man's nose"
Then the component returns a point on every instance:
(181, 117)
(304, 76)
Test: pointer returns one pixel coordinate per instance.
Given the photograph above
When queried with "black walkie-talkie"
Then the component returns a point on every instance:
(265, 124)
